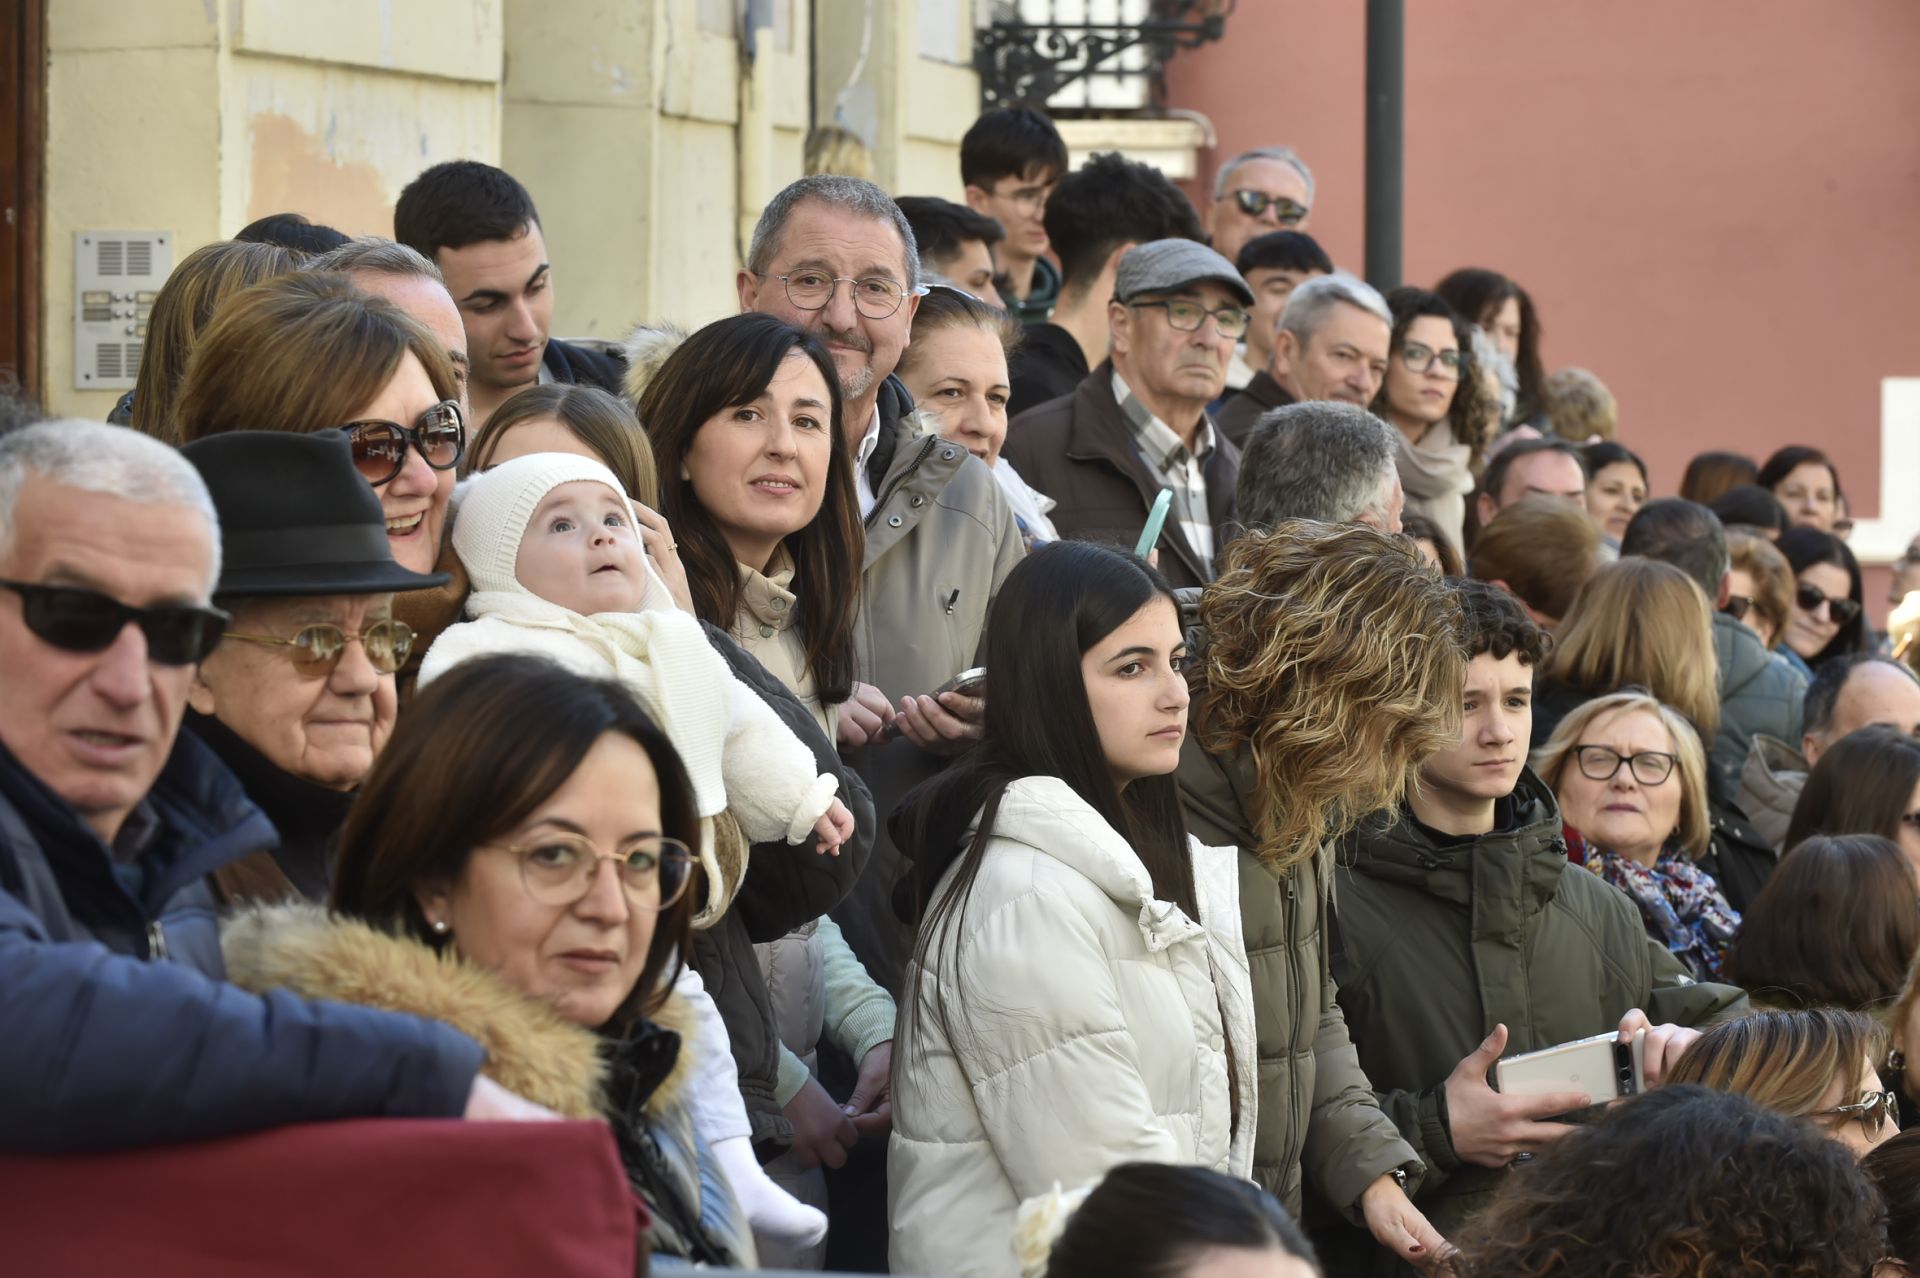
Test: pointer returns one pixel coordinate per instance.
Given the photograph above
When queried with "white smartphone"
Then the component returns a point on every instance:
(1602, 1067)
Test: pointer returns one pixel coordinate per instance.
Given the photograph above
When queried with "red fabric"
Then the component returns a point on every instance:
(398, 1197)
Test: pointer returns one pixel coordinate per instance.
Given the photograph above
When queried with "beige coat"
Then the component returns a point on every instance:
(1087, 1025)
(940, 540)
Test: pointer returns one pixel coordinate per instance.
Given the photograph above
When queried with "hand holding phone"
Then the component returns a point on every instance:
(1490, 1129)
(1604, 1067)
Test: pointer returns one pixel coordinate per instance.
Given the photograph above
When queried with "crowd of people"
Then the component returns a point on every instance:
(1108, 733)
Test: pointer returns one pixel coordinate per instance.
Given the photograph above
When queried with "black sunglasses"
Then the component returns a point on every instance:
(80, 620)
(1254, 203)
(380, 448)
(1841, 610)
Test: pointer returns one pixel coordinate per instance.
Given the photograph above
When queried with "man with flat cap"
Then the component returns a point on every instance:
(1138, 424)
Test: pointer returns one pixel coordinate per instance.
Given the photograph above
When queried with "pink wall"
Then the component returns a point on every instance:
(1716, 207)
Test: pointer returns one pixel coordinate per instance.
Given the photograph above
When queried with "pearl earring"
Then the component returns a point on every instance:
(440, 927)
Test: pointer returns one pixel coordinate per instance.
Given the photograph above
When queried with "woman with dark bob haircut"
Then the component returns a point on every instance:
(1828, 618)
(1806, 483)
(1682, 1182)
(1155, 1220)
(530, 887)
(1867, 782)
(1836, 925)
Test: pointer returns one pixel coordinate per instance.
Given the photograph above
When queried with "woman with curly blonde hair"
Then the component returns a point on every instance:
(1329, 670)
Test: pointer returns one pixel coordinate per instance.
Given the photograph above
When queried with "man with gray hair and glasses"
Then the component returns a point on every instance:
(1324, 461)
(834, 255)
(120, 1031)
(1329, 343)
(403, 276)
(1266, 189)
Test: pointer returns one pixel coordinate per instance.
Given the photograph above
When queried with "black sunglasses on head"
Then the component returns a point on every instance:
(76, 619)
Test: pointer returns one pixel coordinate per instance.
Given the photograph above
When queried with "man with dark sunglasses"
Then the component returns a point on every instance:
(1267, 189)
(118, 1030)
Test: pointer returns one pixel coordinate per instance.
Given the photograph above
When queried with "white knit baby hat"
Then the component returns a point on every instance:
(495, 507)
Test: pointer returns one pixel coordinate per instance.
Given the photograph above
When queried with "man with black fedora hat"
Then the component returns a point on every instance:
(299, 697)
(1138, 424)
(120, 1029)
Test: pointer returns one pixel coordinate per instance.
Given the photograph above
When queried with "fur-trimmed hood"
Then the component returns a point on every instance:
(531, 1050)
(647, 348)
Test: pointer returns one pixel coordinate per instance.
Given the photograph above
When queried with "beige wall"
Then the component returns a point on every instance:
(244, 108)
(625, 118)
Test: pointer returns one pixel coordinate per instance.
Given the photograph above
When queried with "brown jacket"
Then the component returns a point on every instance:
(1079, 451)
(1255, 400)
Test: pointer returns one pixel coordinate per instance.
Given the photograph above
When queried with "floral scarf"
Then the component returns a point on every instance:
(1681, 904)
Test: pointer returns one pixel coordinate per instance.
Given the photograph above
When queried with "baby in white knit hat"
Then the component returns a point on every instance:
(553, 550)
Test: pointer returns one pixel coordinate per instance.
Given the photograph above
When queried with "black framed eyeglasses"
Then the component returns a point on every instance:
(75, 619)
(1841, 610)
(874, 296)
(380, 448)
(1187, 317)
(316, 649)
(1873, 1111)
(1419, 358)
(1253, 203)
(1602, 763)
(558, 868)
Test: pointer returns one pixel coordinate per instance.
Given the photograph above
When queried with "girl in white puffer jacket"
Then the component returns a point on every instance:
(1079, 996)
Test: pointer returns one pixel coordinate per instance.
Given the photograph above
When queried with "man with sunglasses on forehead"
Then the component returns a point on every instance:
(119, 1032)
(1138, 424)
(1266, 189)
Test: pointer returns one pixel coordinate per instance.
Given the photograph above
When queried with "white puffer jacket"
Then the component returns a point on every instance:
(1086, 1031)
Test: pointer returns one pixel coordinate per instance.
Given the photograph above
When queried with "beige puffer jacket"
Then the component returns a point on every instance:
(1087, 1026)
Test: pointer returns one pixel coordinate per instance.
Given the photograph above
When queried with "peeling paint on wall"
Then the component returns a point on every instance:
(290, 169)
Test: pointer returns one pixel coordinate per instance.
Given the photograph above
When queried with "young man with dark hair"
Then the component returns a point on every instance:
(1273, 265)
(479, 226)
(955, 243)
(1096, 213)
(1010, 160)
(1464, 935)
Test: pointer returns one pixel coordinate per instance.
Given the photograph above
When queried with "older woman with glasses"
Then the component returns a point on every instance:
(1816, 1064)
(531, 888)
(298, 698)
(1631, 778)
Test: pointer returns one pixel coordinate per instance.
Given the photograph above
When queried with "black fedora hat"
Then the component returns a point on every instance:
(296, 518)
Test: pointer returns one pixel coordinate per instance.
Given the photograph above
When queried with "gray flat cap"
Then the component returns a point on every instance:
(1161, 266)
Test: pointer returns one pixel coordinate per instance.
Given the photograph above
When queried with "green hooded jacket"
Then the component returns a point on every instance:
(1434, 945)
(1317, 1109)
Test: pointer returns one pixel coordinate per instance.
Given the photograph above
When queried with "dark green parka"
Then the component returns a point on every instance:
(1434, 945)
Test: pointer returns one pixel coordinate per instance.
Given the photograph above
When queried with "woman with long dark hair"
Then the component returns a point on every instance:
(1079, 993)
(1828, 617)
(1433, 399)
(531, 888)
(1504, 312)
(757, 483)
(1867, 782)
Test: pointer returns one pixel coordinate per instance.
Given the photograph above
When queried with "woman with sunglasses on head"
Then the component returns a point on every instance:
(305, 353)
(1814, 1063)
(531, 887)
(1433, 397)
(956, 370)
(1827, 618)
(1631, 779)
(298, 699)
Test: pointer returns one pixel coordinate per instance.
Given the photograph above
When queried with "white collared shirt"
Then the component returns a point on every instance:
(861, 456)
